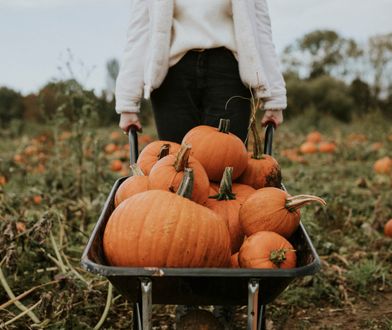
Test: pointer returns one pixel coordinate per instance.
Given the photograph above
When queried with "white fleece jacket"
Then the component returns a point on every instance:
(146, 56)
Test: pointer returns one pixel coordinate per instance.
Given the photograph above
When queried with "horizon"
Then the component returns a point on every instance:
(36, 52)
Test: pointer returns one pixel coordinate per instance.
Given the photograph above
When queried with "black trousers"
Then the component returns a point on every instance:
(199, 90)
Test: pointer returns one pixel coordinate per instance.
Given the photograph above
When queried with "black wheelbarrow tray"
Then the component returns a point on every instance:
(197, 286)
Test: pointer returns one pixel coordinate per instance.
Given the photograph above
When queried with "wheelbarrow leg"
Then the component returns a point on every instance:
(137, 320)
(146, 286)
(253, 302)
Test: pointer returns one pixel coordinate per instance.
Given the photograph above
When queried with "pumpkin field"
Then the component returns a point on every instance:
(55, 177)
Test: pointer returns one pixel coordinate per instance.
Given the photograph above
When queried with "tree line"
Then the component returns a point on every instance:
(325, 73)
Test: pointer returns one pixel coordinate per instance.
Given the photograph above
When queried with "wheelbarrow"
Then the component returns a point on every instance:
(197, 286)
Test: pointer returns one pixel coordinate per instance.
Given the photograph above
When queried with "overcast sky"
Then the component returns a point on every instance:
(36, 34)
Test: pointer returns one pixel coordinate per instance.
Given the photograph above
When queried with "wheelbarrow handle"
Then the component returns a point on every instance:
(133, 145)
(268, 138)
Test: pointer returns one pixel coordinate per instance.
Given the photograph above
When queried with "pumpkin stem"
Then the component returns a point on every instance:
(257, 145)
(186, 186)
(136, 170)
(224, 126)
(226, 186)
(164, 151)
(182, 157)
(296, 202)
(278, 256)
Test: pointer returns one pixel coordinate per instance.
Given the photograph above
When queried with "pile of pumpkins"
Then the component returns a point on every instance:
(204, 203)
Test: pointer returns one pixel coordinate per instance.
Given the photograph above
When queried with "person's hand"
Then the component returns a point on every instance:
(128, 119)
(272, 116)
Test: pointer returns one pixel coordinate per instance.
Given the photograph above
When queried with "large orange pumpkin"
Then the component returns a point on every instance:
(216, 149)
(225, 204)
(272, 209)
(266, 249)
(383, 165)
(168, 172)
(157, 228)
(136, 183)
(153, 152)
(262, 170)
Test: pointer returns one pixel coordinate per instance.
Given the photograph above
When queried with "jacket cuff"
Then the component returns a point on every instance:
(131, 107)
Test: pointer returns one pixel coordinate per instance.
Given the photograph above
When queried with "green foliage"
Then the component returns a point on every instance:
(326, 95)
(11, 105)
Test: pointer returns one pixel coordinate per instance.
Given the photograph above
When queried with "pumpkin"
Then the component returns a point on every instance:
(388, 228)
(327, 147)
(116, 165)
(110, 148)
(225, 204)
(136, 183)
(272, 209)
(314, 137)
(234, 261)
(157, 228)
(3, 180)
(153, 152)
(262, 170)
(266, 249)
(167, 174)
(383, 165)
(199, 319)
(308, 148)
(216, 149)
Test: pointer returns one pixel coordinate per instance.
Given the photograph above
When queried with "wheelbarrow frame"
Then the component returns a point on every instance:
(197, 286)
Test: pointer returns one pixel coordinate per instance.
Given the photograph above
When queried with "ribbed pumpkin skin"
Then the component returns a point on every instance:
(131, 186)
(262, 173)
(216, 151)
(161, 229)
(234, 260)
(149, 155)
(265, 211)
(164, 176)
(229, 211)
(256, 250)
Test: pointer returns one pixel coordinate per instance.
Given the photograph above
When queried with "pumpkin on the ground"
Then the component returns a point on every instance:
(168, 172)
(383, 165)
(272, 209)
(157, 228)
(153, 152)
(217, 148)
(266, 249)
(388, 228)
(136, 183)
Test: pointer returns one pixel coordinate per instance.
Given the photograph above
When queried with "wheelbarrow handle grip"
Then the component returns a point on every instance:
(133, 145)
(268, 138)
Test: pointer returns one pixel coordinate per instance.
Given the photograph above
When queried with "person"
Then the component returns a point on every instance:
(199, 61)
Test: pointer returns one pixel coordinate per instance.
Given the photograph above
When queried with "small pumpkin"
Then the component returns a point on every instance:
(314, 137)
(267, 250)
(308, 148)
(388, 228)
(272, 209)
(262, 170)
(383, 165)
(116, 165)
(155, 151)
(157, 228)
(136, 183)
(327, 147)
(217, 148)
(168, 172)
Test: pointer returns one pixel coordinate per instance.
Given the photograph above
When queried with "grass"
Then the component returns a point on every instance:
(75, 178)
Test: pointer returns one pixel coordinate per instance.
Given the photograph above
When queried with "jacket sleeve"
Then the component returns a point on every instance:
(271, 62)
(130, 81)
